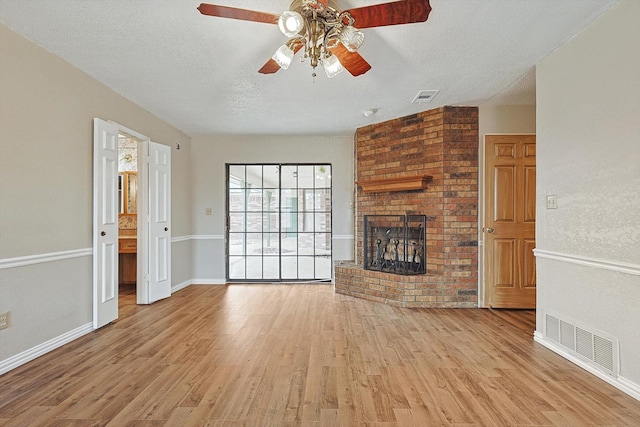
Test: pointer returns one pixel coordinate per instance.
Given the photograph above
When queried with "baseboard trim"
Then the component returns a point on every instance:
(619, 266)
(41, 349)
(208, 282)
(621, 383)
(180, 286)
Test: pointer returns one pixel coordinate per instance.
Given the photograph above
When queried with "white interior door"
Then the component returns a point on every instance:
(105, 219)
(159, 224)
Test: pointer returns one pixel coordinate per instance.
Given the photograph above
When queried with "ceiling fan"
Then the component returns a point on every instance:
(330, 36)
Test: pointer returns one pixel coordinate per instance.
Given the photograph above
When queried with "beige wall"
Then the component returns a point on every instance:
(46, 117)
(209, 156)
(588, 155)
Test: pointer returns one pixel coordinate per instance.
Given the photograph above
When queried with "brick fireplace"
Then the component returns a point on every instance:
(423, 164)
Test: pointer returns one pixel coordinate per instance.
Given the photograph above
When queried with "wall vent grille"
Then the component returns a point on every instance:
(584, 341)
(603, 350)
(597, 349)
(553, 328)
(567, 335)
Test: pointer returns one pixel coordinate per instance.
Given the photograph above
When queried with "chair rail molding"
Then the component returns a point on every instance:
(343, 237)
(618, 266)
(207, 237)
(42, 258)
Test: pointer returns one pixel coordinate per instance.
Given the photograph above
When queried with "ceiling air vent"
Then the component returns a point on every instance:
(424, 96)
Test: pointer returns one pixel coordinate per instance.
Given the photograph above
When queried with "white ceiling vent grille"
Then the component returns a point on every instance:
(424, 96)
(597, 349)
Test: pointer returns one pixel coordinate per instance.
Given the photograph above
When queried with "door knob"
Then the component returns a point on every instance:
(166, 229)
(490, 230)
(103, 233)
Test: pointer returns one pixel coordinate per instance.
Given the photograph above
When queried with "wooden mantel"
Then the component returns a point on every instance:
(403, 183)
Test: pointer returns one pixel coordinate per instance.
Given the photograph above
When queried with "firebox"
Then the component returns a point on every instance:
(395, 243)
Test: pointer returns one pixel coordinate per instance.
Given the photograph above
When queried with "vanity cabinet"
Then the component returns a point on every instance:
(128, 245)
(128, 258)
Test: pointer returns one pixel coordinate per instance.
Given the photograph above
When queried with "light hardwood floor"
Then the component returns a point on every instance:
(301, 355)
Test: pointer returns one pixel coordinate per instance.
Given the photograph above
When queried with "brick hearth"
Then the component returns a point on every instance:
(441, 143)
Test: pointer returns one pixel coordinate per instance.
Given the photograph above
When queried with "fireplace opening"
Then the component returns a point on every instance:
(395, 243)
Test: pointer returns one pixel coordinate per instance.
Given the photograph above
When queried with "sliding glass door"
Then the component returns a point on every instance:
(278, 222)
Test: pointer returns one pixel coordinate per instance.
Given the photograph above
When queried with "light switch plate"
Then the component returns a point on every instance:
(4, 320)
(552, 202)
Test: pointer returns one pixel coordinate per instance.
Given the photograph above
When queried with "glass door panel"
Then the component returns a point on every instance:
(278, 222)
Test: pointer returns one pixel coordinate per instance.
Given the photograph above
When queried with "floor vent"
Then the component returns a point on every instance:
(597, 349)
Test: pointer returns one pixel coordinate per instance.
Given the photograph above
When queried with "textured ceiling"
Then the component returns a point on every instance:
(199, 73)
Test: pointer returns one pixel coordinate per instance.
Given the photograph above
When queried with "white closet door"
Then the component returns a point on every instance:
(159, 225)
(105, 217)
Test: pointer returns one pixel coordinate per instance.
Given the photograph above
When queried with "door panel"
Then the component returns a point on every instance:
(510, 197)
(159, 261)
(503, 151)
(505, 181)
(529, 194)
(504, 250)
(105, 217)
(529, 264)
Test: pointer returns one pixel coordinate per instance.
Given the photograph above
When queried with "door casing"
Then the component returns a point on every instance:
(142, 279)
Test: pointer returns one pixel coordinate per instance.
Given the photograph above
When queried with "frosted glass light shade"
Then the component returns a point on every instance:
(283, 56)
(290, 23)
(332, 66)
(351, 38)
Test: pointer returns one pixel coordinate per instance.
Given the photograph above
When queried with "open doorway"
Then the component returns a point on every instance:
(128, 260)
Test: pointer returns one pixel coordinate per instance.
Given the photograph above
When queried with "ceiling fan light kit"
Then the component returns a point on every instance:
(332, 67)
(290, 23)
(283, 56)
(351, 38)
(328, 34)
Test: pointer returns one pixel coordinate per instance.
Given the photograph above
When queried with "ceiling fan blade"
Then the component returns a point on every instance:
(352, 61)
(235, 13)
(394, 13)
(271, 66)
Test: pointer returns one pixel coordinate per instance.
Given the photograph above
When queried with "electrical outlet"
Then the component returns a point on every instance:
(208, 211)
(4, 320)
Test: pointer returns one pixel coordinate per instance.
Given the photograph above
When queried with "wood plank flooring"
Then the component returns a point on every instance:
(301, 355)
